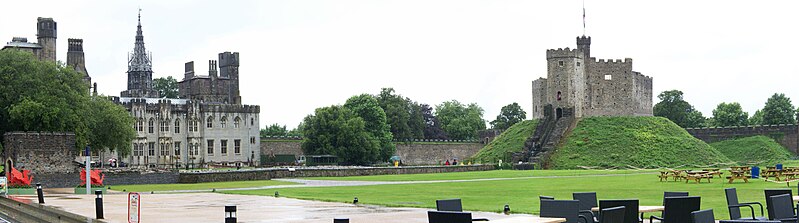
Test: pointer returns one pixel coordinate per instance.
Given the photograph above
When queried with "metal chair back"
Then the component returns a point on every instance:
(568, 209)
(630, 208)
(448, 217)
(449, 205)
(678, 209)
(612, 215)
(772, 192)
(703, 216)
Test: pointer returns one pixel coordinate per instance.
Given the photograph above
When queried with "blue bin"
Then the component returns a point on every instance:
(755, 172)
(779, 166)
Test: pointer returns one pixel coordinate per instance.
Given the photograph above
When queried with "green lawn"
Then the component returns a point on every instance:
(760, 150)
(197, 186)
(522, 194)
(481, 175)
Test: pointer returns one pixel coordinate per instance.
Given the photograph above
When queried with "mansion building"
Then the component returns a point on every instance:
(207, 124)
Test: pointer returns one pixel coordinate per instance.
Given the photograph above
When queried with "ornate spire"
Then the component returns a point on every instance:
(139, 60)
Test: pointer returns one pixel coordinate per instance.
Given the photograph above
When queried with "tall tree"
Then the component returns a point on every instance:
(757, 118)
(403, 115)
(273, 130)
(167, 87)
(729, 114)
(509, 115)
(460, 121)
(336, 130)
(779, 110)
(432, 127)
(367, 107)
(109, 125)
(673, 107)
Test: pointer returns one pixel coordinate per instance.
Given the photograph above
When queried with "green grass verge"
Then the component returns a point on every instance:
(197, 186)
(480, 175)
(522, 194)
(760, 150)
(510, 141)
(642, 142)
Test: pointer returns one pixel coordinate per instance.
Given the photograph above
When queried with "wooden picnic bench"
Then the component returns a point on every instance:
(697, 176)
(738, 174)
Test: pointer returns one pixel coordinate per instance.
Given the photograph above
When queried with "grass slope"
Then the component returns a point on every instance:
(510, 141)
(643, 142)
(753, 150)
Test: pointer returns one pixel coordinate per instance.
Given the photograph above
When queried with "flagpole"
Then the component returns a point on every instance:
(583, 17)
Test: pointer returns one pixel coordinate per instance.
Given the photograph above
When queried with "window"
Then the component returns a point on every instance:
(210, 144)
(236, 122)
(163, 149)
(151, 125)
(165, 125)
(141, 125)
(237, 146)
(141, 149)
(223, 122)
(252, 121)
(210, 122)
(608, 77)
(197, 125)
(177, 148)
(224, 146)
(177, 125)
(560, 63)
(252, 140)
(136, 151)
(196, 149)
(578, 64)
(151, 149)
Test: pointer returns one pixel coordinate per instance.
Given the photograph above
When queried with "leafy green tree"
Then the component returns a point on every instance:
(367, 107)
(757, 118)
(432, 127)
(167, 87)
(779, 110)
(44, 96)
(274, 130)
(297, 131)
(673, 107)
(403, 115)
(509, 115)
(729, 114)
(338, 131)
(460, 121)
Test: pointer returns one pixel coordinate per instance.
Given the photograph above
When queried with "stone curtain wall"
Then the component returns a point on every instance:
(61, 180)
(224, 176)
(41, 153)
(786, 135)
(420, 153)
(266, 174)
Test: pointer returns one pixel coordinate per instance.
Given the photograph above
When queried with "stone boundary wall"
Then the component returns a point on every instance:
(63, 180)
(419, 153)
(785, 135)
(322, 172)
(41, 152)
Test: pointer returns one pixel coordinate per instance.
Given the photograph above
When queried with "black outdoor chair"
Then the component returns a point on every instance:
(772, 192)
(587, 201)
(448, 217)
(735, 207)
(542, 197)
(612, 215)
(703, 216)
(783, 208)
(568, 209)
(453, 205)
(630, 208)
(673, 194)
(678, 209)
(747, 221)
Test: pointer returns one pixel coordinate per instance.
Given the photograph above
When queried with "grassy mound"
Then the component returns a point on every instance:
(642, 142)
(753, 150)
(510, 141)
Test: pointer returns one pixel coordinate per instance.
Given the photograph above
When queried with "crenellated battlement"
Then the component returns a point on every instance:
(564, 53)
(75, 45)
(612, 61)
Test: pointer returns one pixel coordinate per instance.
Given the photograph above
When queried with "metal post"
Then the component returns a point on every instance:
(230, 213)
(98, 203)
(39, 193)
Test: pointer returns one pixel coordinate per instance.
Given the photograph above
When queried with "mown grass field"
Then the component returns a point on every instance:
(510, 141)
(197, 186)
(522, 194)
(753, 150)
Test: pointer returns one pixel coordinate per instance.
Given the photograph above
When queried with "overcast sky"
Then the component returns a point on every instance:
(300, 55)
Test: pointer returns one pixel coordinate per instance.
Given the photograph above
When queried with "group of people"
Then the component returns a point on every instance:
(454, 162)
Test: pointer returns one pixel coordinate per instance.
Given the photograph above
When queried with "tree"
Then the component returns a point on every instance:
(432, 127)
(338, 131)
(167, 87)
(779, 110)
(729, 115)
(509, 115)
(274, 130)
(673, 107)
(460, 121)
(297, 131)
(757, 118)
(403, 115)
(367, 107)
(44, 96)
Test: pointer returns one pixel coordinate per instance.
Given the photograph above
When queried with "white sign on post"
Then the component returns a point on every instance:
(134, 207)
(3, 186)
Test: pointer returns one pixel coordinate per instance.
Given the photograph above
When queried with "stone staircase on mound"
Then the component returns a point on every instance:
(549, 132)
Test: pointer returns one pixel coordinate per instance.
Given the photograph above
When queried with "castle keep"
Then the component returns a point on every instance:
(591, 87)
(207, 124)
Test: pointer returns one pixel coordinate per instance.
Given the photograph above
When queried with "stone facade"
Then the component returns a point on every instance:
(220, 86)
(411, 154)
(41, 153)
(592, 87)
(785, 135)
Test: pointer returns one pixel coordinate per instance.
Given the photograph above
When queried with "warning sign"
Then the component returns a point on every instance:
(134, 207)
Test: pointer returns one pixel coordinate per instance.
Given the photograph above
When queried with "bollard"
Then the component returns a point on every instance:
(40, 193)
(98, 204)
(355, 201)
(341, 220)
(506, 209)
(230, 214)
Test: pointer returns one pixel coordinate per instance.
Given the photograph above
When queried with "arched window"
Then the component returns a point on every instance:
(209, 123)
(136, 149)
(252, 121)
(151, 125)
(141, 125)
(177, 125)
(165, 125)
(223, 122)
(236, 122)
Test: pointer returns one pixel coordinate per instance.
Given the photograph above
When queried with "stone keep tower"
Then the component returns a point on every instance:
(140, 70)
(46, 32)
(565, 79)
(229, 68)
(76, 60)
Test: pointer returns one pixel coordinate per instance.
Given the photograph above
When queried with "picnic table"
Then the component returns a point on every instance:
(697, 176)
(529, 219)
(713, 171)
(738, 174)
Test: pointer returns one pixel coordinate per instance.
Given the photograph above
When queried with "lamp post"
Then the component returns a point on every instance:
(98, 203)
(230, 213)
